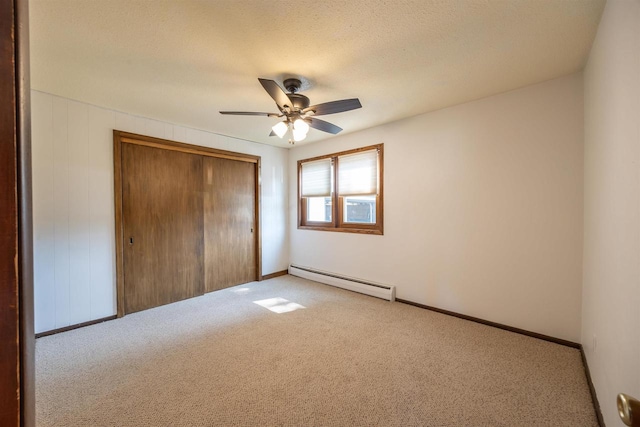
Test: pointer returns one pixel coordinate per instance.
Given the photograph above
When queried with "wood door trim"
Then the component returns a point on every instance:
(25, 213)
(17, 364)
(165, 144)
(118, 193)
(257, 213)
(119, 138)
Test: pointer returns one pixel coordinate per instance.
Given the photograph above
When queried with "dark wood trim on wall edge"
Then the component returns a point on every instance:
(274, 275)
(25, 212)
(76, 326)
(592, 389)
(495, 325)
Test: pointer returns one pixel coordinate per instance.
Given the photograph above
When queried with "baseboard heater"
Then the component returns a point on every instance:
(357, 285)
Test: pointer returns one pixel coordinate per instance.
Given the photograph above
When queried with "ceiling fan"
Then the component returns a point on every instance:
(298, 115)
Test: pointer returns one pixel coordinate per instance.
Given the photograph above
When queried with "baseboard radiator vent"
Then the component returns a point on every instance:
(357, 285)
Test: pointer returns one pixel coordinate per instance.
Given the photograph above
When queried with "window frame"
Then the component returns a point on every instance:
(337, 222)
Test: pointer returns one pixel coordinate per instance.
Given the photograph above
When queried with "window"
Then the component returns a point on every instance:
(342, 191)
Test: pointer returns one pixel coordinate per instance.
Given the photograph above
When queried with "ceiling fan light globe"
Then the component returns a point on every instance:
(301, 126)
(298, 135)
(280, 129)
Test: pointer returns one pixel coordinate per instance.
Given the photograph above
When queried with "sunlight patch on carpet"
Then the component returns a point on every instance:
(279, 305)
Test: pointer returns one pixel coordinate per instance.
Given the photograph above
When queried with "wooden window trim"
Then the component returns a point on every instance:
(337, 224)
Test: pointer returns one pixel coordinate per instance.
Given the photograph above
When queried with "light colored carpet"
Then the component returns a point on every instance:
(343, 360)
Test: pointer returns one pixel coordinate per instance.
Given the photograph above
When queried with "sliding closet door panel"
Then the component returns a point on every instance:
(229, 222)
(163, 226)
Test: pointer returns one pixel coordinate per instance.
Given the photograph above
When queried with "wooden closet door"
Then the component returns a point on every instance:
(229, 223)
(163, 226)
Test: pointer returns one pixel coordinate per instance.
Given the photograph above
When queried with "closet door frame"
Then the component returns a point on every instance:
(120, 138)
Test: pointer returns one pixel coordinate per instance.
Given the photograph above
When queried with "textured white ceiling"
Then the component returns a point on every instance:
(184, 60)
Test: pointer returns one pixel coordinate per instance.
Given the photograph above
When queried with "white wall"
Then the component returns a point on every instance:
(611, 292)
(73, 212)
(483, 209)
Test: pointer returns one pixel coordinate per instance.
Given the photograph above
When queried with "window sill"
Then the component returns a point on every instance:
(373, 231)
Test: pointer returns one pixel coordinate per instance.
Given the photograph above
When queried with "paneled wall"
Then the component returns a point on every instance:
(73, 212)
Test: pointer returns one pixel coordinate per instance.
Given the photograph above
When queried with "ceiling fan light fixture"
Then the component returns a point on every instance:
(301, 126)
(280, 129)
(298, 135)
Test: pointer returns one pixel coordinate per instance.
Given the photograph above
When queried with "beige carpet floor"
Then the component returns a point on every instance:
(343, 360)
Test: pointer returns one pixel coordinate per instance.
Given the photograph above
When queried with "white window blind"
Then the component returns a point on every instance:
(316, 178)
(358, 173)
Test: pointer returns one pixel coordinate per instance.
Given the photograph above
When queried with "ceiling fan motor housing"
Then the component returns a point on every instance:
(300, 102)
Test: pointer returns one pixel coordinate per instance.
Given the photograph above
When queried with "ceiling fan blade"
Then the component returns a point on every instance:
(323, 126)
(250, 113)
(334, 107)
(276, 93)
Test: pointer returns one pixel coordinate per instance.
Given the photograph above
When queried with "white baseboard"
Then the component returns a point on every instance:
(362, 286)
